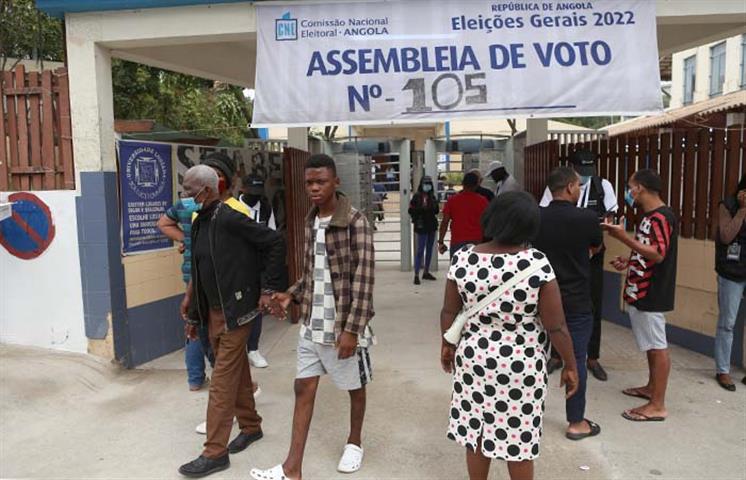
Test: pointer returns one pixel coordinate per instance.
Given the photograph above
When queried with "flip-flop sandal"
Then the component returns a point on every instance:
(274, 473)
(635, 392)
(352, 459)
(595, 430)
(633, 416)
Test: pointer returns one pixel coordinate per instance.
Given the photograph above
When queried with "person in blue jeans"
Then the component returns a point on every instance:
(423, 209)
(176, 224)
(570, 236)
(730, 264)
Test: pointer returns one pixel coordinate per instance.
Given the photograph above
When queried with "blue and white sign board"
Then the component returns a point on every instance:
(146, 191)
(434, 60)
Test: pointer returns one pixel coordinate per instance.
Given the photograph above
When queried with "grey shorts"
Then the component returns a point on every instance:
(649, 329)
(315, 359)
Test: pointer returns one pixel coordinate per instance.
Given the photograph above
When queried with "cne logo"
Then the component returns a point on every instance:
(286, 28)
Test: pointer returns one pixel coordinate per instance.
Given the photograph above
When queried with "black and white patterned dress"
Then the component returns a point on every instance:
(499, 385)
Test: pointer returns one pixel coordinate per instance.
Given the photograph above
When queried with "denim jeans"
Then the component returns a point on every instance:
(730, 295)
(195, 352)
(256, 332)
(204, 338)
(425, 245)
(580, 327)
(194, 358)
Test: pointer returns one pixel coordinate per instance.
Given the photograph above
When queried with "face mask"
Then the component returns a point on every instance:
(584, 179)
(629, 198)
(427, 188)
(191, 204)
(252, 199)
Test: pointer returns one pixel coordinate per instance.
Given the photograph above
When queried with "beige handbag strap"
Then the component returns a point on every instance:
(506, 287)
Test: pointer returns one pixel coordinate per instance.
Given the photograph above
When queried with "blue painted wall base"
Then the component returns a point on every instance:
(142, 333)
(155, 329)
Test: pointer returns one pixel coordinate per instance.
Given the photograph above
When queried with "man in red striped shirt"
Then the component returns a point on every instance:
(650, 287)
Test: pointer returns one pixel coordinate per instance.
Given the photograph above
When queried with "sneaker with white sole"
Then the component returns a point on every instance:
(257, 360)
(352, 459)
(202, 427)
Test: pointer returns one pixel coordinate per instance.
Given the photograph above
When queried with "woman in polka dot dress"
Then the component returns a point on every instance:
(499, 366)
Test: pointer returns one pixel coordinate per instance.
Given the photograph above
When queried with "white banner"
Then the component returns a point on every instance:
(434, 60)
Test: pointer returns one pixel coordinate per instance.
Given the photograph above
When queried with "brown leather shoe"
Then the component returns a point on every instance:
(730, 386)
(597, 371)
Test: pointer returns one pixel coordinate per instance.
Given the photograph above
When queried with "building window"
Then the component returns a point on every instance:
(690, 69)
(743, 61)
(717, 69)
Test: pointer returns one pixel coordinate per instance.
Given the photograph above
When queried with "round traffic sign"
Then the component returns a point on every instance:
(29, 230)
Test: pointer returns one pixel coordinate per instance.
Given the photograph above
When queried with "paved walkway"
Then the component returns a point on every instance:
(71, 416)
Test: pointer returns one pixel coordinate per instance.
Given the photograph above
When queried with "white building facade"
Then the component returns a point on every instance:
(708, 71)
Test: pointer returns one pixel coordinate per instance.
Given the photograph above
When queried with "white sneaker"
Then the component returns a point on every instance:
(257, 360)
(202, 427)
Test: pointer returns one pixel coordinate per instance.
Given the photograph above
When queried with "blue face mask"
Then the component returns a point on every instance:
(629, 198)
(189, 203)
(427, 188)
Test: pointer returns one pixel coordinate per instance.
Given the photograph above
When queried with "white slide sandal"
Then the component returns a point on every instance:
(352, 459)
(274, 473)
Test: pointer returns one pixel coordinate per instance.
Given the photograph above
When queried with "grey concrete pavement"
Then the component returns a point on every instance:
(74, 417)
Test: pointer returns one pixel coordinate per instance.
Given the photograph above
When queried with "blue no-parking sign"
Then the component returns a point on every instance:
(30, 229)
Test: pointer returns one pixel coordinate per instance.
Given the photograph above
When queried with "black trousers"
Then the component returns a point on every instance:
(597, 298)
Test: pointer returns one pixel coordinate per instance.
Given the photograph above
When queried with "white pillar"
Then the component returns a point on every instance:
(298, 138)
(405, 181)
(91, 105)
(537, 130)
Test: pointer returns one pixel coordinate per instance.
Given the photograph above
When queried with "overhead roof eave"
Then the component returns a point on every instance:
(728, 102)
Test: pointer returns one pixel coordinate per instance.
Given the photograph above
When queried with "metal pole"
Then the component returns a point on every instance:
(404, 192)
(431, 169)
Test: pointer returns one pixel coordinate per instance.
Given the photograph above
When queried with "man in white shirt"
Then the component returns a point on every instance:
(260, 210)
(596, 194)
(505, 181)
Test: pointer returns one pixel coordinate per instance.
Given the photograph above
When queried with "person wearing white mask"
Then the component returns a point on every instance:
(597, 194)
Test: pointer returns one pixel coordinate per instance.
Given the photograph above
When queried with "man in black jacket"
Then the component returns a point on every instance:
(236, 266)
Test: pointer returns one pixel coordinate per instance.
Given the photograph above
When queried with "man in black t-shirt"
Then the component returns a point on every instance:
(598, 195)
(650, 287)
(570, 236)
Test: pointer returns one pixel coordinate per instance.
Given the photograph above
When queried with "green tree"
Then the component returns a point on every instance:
(182, 102)
(28, 34)
(179, 101)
